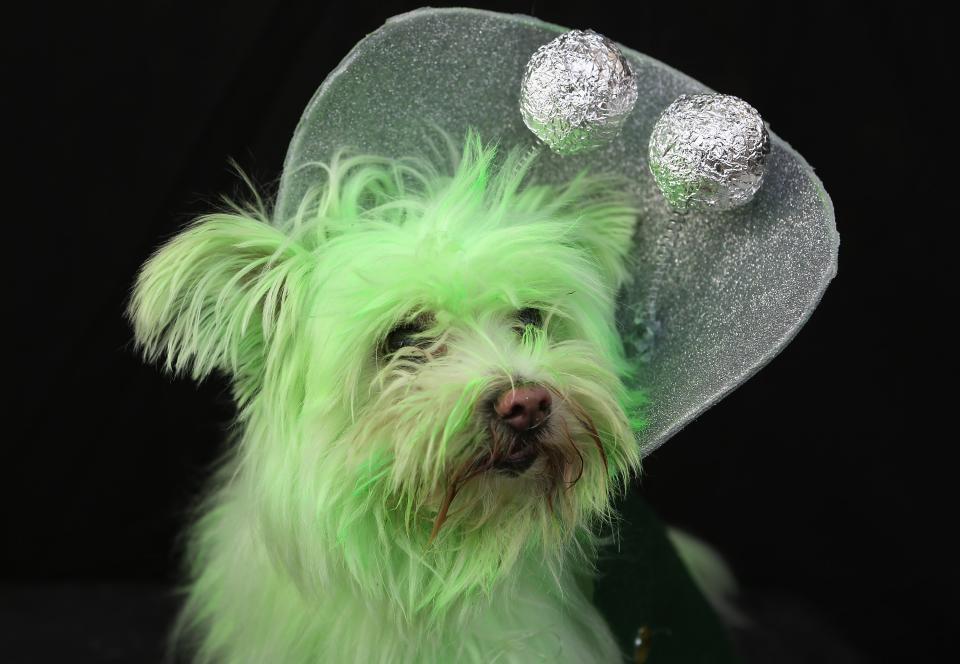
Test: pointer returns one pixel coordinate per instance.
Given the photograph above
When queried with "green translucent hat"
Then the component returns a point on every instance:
(715, 295)
(731, 289)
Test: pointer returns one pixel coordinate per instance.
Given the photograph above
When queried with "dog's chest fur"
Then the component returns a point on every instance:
(260, 617)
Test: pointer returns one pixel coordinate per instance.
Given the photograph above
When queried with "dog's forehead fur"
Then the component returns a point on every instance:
(391, 273)
(477, 241)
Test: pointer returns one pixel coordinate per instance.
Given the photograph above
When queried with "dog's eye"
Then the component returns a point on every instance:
(530, 316)
(404, 336)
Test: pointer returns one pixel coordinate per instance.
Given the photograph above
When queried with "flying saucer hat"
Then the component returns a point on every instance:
(717, 291)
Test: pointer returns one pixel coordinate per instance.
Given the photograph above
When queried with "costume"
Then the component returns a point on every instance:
(451, 350)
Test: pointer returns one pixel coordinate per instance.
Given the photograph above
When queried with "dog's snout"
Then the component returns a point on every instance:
(524, 407)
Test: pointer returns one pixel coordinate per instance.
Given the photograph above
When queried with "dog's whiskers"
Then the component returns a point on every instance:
(475, 466)
(573, 445)
(442, 515)
(584, 419)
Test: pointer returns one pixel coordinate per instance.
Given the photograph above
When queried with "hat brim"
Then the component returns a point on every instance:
(732, 288)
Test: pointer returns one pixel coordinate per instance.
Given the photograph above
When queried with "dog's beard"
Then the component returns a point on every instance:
(550, 458)
(425, 455)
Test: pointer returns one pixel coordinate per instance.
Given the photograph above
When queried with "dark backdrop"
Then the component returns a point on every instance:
(120, 122)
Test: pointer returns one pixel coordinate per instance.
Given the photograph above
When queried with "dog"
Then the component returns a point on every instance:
(433, 412)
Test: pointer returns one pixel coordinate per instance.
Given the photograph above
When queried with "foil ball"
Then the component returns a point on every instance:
(577, 91)
(708, 151)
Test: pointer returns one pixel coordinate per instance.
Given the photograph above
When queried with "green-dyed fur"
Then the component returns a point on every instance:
(313, 544)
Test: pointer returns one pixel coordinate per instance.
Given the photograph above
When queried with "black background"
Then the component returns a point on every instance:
(812, 478)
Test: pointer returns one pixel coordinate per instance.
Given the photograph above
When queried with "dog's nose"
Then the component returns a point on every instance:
(525, 407)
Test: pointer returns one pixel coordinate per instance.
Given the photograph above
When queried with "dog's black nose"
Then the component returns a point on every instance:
(524, 407)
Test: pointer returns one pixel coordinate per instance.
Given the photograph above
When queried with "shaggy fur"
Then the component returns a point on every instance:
(359, 516)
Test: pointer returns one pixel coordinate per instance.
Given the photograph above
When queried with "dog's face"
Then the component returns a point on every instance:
(480, 370)
(427, 368)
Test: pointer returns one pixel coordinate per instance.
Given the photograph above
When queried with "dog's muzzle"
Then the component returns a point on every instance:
(524, 410)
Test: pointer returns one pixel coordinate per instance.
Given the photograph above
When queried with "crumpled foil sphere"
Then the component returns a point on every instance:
(708, 151)
(577, 91)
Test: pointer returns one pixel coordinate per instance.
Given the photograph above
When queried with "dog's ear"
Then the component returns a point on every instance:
(214, 296)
